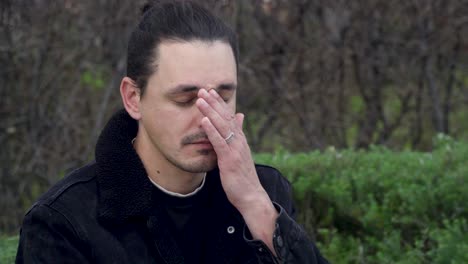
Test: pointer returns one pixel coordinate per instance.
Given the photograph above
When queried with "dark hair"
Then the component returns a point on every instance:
(174, 21)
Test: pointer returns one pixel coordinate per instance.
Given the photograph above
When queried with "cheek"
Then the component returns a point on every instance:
(172, 123)
(166, 133)
(163, 123)
(177, 123)
(232, 106)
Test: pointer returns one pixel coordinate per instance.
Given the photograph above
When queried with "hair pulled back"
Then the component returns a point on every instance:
(175, 20)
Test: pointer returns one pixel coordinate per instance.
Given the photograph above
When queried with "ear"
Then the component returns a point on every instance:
(131, 97)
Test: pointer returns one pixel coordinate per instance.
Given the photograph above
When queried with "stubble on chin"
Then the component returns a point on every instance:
(207, 162)
(207, 152)
(200, 167)
(204, 159)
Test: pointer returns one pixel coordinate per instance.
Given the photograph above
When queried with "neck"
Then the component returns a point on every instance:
(163, 172)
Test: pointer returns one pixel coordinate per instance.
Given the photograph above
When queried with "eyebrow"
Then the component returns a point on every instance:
(187, 88)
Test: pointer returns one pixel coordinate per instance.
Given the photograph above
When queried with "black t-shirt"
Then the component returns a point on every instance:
(186, 222)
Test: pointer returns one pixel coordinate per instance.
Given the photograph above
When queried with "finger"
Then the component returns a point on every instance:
(228, 114)
(216, 102)
(216, 95)
(219, 144)
(218, 122)
(240, 120)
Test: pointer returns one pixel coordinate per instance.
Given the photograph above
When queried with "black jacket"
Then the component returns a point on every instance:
(107, 212)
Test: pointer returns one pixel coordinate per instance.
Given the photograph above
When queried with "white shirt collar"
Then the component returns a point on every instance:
(179, 194)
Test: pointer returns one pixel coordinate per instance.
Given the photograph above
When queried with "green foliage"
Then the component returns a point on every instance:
(8, 247)
(357, 104)
(93, 79)
(459, 124)
(381, 206)
(452, 242)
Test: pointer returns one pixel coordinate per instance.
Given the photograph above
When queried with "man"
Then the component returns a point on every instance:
(173, 180)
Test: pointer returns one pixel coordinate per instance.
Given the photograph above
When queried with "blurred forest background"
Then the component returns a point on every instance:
(312, 74)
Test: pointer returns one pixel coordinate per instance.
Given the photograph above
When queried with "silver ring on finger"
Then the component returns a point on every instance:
(229, 138)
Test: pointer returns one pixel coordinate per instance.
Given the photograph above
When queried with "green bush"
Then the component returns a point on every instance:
(375, 206)
(8, 247)
(382, 206)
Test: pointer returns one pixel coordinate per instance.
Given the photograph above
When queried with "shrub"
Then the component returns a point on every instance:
(8, 247)
(381, 206)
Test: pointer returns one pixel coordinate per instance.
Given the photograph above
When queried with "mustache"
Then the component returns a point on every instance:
(193, 138)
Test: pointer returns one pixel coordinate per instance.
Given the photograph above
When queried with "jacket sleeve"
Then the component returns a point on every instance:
(290, 240)
(47, 236)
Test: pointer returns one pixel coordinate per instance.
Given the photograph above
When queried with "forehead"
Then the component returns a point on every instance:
(199, 63)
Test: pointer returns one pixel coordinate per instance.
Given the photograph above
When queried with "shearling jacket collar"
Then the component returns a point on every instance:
(124, 187)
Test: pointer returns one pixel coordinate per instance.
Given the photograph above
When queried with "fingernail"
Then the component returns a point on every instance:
(213, 92)
(201, 102)
(205, 120)
(203, 92)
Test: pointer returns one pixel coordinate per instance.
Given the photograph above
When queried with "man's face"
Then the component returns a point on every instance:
(170, 121)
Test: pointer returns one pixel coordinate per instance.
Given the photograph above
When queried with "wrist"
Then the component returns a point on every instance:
(260, 218)
(256, 204)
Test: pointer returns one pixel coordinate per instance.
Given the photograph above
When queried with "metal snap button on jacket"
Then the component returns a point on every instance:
(279, 241)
